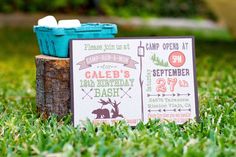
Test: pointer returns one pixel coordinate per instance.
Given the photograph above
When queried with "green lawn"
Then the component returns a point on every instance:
(24, 133)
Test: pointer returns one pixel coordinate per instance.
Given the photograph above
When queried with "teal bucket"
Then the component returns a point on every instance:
(55, 41)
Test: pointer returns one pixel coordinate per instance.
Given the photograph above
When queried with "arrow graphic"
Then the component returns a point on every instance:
(169, 110)
(154, 110)
(168, 95)
(165, 110)
(125, 92)
(184, 110)
(148, 95)
(187, 94)
(87, 93)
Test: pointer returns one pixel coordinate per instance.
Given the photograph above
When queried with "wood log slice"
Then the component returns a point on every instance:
(52, 85)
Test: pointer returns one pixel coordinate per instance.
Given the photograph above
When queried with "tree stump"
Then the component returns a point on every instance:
(52, 85)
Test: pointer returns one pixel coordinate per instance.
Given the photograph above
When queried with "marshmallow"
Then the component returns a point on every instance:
(48, 21)
(69, 23)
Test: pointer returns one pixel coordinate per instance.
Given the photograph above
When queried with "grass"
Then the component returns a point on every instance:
(23, 132)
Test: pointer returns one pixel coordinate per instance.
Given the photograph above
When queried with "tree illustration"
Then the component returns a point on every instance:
(115, 111)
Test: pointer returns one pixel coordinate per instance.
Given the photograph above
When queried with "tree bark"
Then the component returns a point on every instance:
(52, 85)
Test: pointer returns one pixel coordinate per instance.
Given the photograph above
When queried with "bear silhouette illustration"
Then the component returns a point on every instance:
(101, 113)
(115, 113)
